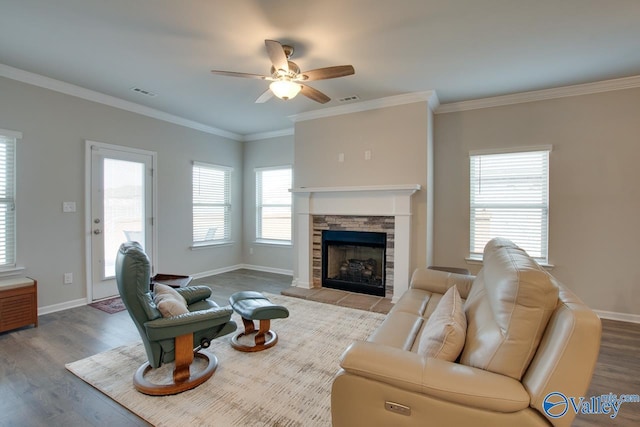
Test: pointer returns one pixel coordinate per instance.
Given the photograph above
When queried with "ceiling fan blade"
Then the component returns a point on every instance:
(276, 55)
(234, 74)
(314, 94)
(328, 73)
(267, 95)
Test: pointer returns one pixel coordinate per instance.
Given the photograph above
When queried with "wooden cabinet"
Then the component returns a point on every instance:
(18, 303)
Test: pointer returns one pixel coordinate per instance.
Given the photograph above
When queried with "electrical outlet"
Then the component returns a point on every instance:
(68, 278)
(367, 155)
(250, 251)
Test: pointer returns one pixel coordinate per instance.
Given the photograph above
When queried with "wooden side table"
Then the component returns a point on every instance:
(18, 303)
(173, 280)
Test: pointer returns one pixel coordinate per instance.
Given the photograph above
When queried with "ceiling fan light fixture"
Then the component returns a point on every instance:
(288, 80)
(285, 89)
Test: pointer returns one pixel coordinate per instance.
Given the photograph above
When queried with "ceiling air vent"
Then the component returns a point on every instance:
(143, 92)
(349, 98)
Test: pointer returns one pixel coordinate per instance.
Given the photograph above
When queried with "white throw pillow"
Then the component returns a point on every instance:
(444, 333)
(169, 301)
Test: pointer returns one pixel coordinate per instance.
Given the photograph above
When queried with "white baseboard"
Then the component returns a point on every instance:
(62, 306)
(241, 266)
(621, 317)
(217, 271)
(300, 284)
(609, 315)
(267, 269)
(83, 301)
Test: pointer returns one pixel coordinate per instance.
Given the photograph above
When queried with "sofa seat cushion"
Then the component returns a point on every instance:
(507, 310)
(444, 332)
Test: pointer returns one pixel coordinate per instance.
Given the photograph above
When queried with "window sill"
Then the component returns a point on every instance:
(208, 245)
(478, 261)
(11, 271)
(265, 242)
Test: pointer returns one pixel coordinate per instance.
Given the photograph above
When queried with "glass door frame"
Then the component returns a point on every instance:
(90, 146)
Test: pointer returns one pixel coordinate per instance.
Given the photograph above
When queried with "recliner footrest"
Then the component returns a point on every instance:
(252, 306)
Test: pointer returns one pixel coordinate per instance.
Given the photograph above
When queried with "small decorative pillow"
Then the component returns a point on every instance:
(444, 333)
(169, 301)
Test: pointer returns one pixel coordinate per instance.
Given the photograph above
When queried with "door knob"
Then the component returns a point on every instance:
(97, 231)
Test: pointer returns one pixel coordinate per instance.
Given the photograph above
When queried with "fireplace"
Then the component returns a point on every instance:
(377, 208)
(354, 261)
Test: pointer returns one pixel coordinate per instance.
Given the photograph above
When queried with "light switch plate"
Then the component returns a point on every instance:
(68, 206)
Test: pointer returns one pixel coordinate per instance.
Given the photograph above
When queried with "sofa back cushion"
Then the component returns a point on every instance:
(507, 310)
(443, 333)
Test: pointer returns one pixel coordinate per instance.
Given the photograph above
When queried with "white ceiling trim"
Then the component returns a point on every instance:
(112, 101)
(430, 96)
(541, 95)
(267, 135)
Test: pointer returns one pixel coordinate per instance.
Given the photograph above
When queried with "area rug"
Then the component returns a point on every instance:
(286, 385)
(111, 305)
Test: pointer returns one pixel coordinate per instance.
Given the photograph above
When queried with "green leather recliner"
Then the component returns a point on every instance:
(169, 339)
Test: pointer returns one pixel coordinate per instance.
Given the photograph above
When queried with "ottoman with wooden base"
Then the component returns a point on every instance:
(255, 306)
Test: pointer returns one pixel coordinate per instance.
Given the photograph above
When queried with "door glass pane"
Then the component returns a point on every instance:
(123, 208)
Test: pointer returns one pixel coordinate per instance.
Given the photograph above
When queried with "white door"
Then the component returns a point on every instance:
(121, 209)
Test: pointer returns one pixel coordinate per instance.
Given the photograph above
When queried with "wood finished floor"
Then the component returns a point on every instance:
(37, 390)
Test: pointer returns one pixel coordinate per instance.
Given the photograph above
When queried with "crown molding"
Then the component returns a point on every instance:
(541, 95)
(112, 101)
(390, 101)
(266, 135)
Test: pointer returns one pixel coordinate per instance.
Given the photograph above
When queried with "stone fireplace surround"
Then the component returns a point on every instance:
(352, 205)
(380, 224)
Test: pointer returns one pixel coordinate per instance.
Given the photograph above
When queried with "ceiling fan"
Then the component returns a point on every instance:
(286, 78)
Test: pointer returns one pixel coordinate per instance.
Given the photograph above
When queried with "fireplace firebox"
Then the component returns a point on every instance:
(354, 261)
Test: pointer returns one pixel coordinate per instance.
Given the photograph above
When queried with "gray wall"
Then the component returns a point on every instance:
(594, 193)
(398, 138)
(594, 196)
(258, 154)
(50, 170)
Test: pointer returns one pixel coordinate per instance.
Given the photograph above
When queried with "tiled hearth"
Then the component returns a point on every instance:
(384, 208)
(341, 298)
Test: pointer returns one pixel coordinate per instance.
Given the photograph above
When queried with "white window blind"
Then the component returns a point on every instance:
(7, 198)
(510, 199)
(211, 204)
(273, 204)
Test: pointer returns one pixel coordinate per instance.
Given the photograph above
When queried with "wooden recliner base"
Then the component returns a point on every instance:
(264, 339)
(182, 378)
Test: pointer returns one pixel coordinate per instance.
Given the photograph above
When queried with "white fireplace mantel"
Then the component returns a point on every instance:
(383, 200)
(386, 188)
(373, 200)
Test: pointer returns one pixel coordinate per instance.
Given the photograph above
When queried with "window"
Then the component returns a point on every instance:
(273, 205)
(510, 198)
(211, 204)
(8, 141)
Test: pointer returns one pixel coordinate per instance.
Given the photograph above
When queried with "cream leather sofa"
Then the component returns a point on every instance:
(527, 336)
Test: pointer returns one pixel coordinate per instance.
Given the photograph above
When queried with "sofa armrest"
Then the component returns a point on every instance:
(438, 281)
(440, 379)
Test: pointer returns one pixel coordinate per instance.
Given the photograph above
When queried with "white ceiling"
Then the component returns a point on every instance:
(462, 49)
